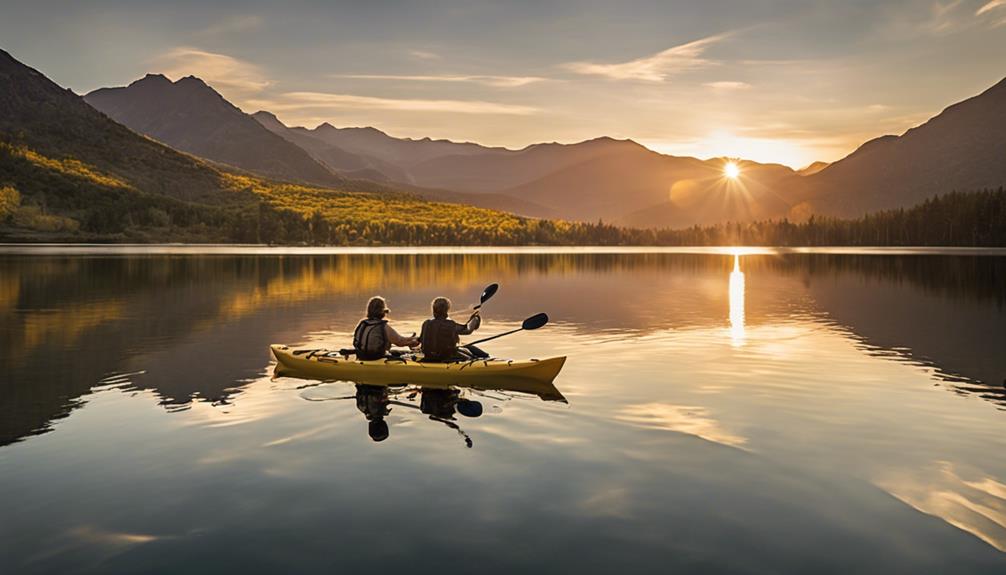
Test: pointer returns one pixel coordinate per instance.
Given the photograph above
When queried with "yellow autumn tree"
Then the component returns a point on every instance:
(10, 199)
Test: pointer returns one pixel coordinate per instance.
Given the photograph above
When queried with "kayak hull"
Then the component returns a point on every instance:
(530, 376)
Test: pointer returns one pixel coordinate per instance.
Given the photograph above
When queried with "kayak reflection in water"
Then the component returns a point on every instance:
(375, 402)
(441, 404)
(372, 401)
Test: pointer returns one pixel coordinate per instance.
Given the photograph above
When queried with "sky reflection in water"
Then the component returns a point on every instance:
(726, 414)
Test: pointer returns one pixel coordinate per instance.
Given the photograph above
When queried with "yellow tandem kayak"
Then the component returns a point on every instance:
(530, 376)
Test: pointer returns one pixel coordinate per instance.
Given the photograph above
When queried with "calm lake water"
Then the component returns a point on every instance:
(764, 413)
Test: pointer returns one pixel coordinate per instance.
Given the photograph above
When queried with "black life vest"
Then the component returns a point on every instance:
(370, 340)
(439, 339)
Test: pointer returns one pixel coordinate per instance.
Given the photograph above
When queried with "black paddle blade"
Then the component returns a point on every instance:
(489, 292)
(535, 321)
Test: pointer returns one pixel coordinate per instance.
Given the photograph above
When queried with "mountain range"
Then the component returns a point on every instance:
(603, 178)
(598, 179)
(614, 180)
(618, 181)
(69, 172)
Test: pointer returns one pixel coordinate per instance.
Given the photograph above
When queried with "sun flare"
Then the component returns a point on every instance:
(732, 170)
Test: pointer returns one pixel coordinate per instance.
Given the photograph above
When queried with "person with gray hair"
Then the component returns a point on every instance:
(373, 337)
(440, 335)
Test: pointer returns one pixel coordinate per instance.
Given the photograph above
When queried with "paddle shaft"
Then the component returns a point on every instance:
(495, 336)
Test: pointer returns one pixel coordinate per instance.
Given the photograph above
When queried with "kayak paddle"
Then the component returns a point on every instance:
(487, 293)
(533, 322)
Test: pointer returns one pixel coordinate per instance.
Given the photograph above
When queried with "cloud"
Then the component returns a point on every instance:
(967, 499)
(955, 16)
(990, 7)
(692, 420)
(316, 100)
(224, 73)
(423, 55)
(494, 81)
(655, 68)
(727, 85)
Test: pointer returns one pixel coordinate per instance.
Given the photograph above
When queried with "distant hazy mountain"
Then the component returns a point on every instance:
(812, 168)
(403, 152)
(624, 182)
(603, 178)
(350, 164)
(190, 116)
(500, 169)
(667, 191)
(439, 164)
(375, 156)
(963, 148)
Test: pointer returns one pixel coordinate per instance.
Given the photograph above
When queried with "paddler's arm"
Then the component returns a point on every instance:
(397, 339)
(473, 324)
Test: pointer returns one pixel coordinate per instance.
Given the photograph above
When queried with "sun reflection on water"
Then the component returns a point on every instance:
(737, 334)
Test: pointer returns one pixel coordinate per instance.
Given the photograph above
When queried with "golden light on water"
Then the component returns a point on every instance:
(732, 170)
(737, 334)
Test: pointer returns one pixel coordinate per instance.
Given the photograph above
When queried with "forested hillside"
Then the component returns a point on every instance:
(955, 219)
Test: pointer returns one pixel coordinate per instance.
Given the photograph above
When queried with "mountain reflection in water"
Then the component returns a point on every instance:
(103, 316)
(725, 411)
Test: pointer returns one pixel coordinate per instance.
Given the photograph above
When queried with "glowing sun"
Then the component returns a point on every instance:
(732, 170)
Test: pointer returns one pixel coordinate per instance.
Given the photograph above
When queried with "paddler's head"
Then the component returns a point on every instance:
(378, 429)
(469, 408)
(441, 307)
(377, 308)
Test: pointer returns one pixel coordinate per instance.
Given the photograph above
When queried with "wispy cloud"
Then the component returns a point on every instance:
(655, 68)
(423, 55)
(957, 16)
(727, 85)
(944, 17)
(990, 6)
(225, 73)
(494, 81)
(324, 100)
(692, 420)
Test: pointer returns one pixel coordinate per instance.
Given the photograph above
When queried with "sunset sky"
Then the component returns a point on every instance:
(770, 80)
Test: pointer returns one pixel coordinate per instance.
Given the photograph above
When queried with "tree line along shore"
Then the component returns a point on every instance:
(296, 215)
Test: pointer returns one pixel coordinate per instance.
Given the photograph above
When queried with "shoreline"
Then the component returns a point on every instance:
(14, 249)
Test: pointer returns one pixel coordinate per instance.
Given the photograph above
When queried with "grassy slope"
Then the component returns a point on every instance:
(64, 198)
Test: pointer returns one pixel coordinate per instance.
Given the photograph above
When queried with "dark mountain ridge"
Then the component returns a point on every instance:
(190, 116)
(962, 148)
(58, 145)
